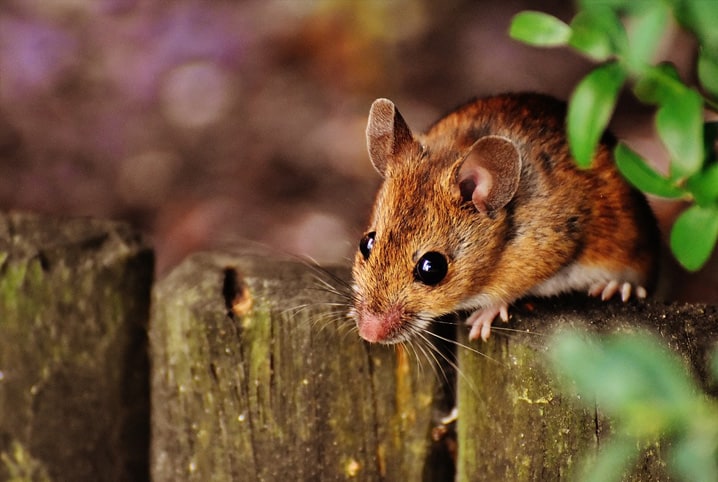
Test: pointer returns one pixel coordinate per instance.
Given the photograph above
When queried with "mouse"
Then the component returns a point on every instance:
(487, 207)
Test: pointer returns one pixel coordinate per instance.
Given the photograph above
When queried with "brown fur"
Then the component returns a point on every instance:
(560, 215)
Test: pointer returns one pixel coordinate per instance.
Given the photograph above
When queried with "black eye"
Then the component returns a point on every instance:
(366, 244)
(431, 268)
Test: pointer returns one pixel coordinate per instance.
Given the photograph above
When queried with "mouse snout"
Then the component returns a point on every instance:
(379, 328)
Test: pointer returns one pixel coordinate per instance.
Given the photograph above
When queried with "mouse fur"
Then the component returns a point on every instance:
(541, 227)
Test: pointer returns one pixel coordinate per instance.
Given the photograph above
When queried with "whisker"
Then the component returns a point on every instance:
(337, 319)
(324, 276)
(412, 347)
(537, 342)
(351, 330)
(295, 310)
(325, 287)
(435, 356)
(330, 304)
(465, 347)
(514, 330)
(442, 321)
(451, 362)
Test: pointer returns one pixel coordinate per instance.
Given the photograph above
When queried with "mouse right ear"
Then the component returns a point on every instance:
(489, 174)
(387, 135)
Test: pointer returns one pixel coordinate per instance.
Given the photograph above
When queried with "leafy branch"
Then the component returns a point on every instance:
(624, 35)
(643, 387)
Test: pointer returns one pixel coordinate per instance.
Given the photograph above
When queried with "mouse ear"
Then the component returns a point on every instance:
(387, 135)
(489, 174)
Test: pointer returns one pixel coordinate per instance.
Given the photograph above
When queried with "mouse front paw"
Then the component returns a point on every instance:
(480, 320)
(607, 289)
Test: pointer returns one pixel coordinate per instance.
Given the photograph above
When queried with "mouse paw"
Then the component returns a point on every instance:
(607, 289)
(480, 320)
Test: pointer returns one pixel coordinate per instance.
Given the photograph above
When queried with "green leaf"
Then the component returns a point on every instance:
(694, 235)
(701, 18)
(708, 72)
(658, 83)
(679, 122)
(704, 185)
(590, 109)
(641, 175)
(611, 462)
(633, 378)
(693, 456)
(645, 31)
(539, 29)
(629, 6)
(598, 33)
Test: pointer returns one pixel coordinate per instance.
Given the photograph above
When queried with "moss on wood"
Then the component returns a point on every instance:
(74, 304)
(514, 422)
(281, 391)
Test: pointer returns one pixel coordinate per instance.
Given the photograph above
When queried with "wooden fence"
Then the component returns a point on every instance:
(238, 366)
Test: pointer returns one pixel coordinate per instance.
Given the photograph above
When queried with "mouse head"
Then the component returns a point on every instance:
(437, 226)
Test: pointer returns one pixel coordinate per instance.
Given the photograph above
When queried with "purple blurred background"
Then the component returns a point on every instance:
(203, 122)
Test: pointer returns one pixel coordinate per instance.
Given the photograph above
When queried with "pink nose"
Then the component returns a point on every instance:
(378, 328)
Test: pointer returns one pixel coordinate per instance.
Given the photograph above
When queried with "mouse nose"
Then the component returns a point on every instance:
(379, 328)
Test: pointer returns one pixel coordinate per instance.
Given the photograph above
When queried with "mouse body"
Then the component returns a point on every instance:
(486, 207)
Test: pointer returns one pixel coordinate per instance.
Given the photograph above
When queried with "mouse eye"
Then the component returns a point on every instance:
(366, 244)
(431, 268)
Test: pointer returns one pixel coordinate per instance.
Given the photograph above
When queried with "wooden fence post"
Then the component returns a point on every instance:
(284, 389)
(515, 424)
(281, 389)
(258, 375)
(74, 386)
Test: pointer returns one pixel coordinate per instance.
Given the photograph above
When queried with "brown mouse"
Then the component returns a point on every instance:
(486, 207)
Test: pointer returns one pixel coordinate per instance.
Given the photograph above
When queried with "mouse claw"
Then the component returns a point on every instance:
(606, 290)
(504, 313)
(481, 320)
(625, 291)
(609, 290)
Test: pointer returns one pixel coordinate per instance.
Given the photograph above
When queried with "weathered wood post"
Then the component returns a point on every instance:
(284, 389)
(74, 387)
(257, 374)
(515, 424)
(278, 389)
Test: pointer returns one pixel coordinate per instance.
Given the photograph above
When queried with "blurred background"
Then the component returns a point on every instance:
(205, 122)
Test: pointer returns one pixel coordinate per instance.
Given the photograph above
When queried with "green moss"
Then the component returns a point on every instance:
(10, 287)
(513, 426)
(18, 465)
(69, 348)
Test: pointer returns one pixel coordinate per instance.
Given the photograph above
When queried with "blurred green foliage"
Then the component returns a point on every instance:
(625, 36)
(641, 386)
(646, 390)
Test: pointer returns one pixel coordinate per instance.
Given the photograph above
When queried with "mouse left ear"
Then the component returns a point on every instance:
(388, 137)
(489, 174)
